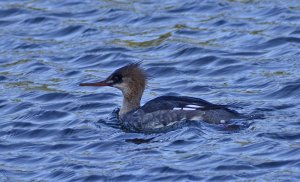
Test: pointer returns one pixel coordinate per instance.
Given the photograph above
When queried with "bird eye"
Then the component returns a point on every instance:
(117, 79)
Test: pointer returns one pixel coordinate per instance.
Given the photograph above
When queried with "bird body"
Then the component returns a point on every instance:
(162, 113)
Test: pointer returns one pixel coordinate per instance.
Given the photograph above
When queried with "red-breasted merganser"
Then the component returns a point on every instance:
(161, 113)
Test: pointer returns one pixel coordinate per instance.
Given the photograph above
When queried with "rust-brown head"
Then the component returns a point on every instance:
(130, 79)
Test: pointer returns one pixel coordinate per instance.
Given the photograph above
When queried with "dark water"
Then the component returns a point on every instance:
(245, 53)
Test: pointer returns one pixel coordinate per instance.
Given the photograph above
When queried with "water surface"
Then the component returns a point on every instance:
(243, 53)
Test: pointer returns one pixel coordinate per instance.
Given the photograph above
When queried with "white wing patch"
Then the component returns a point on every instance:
(222, 121)
(190, 107)
(194, 106)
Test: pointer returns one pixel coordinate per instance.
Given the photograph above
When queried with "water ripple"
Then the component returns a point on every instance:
(277, 42)
(244, 54)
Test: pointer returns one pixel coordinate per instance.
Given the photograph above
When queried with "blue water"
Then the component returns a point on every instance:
(243, 53)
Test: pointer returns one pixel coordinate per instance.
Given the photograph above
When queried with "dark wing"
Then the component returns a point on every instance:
(168, 112)
(180, 103)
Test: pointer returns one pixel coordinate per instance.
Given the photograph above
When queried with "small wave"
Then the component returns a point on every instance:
(62, 33)
(288, 91)
(11, 12)
(281, 136)
(4, 23)
(202, 61)
(276, 42)
(37, 20)
(50, 97)
(187, 52)
(228, 70)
